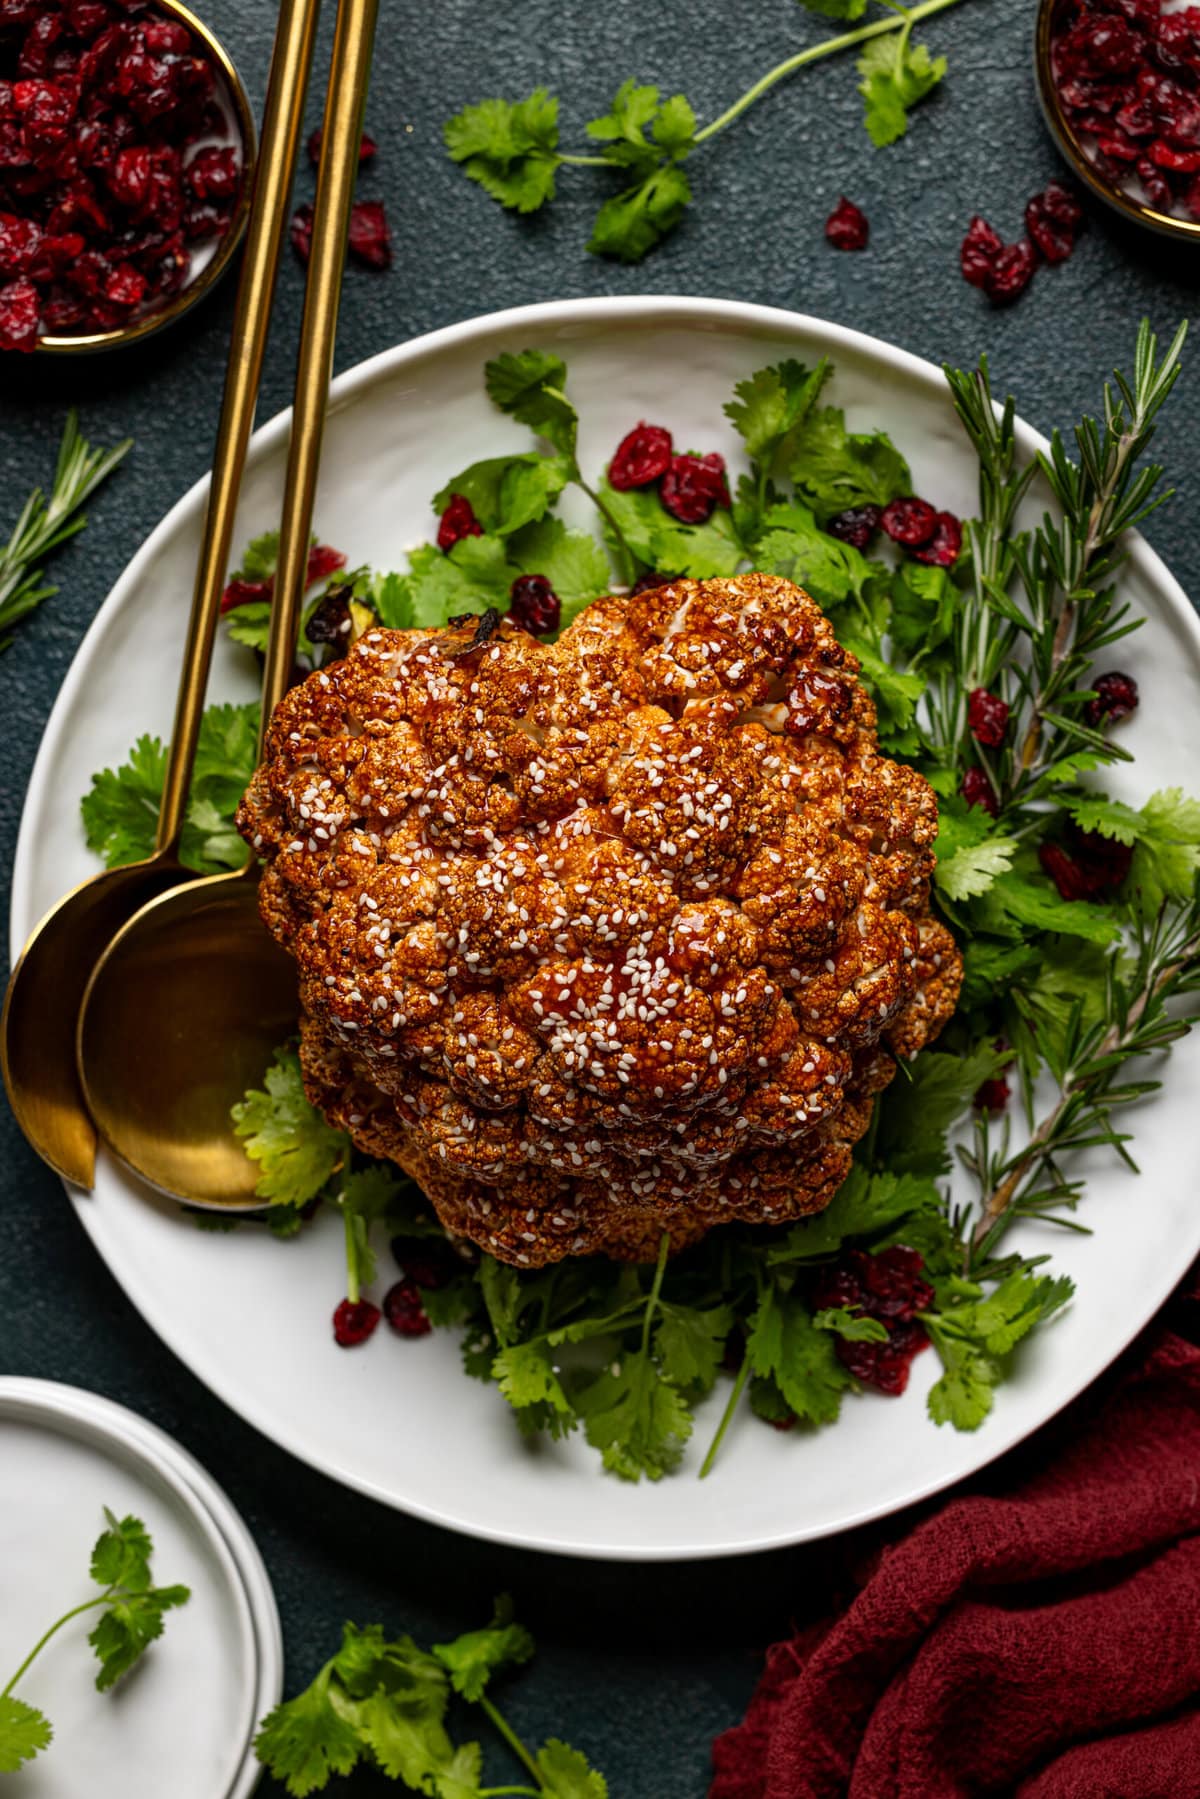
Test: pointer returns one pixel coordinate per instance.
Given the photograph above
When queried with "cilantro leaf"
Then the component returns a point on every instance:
(865, 1204)
(120, 812)
(389, 598)
(572, 561)
(24, 1733)
(633, 221)
(855, 1327)
(527, 1378)
(294, 1147)
(915, 1114)
(925, 603)
(260, 558)
(689, 1344)
(969, 855)
(510, 148)
(834, 468)
(1022, 897)
(305, 1740)
(975, 1337)
(663, 544)
(507, 492)
(564, 1773)
(636, 1418)
(128, 1626)
(793, 544)
(784, 1344)
(771, 404)
(530, 386)
(472, 1659)
(650, 140)
(895, 692)
(990, 966)
(1167, 854)
(896, 75)
(121, 1556)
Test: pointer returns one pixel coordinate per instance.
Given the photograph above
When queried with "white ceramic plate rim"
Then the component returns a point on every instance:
(264, 1612)
(79, 1412)
(1001, 1433)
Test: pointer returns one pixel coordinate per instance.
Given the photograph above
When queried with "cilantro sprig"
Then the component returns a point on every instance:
(131, 1610)
(511, 148)
(45, 523)
(383, 1703)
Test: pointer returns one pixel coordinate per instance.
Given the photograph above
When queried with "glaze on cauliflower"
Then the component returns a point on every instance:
(606, 938)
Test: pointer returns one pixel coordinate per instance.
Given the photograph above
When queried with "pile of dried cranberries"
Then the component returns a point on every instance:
(1127, 73)
(115, 159)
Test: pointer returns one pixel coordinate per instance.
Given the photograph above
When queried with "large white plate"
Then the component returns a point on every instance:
(251, 1317)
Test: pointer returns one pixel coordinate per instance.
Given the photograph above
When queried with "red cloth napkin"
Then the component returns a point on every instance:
(1039, 1638)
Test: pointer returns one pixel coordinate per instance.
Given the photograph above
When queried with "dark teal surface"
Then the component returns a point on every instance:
(640, 1666)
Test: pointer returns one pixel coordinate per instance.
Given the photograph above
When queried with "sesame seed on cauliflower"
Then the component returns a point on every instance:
(606, 938)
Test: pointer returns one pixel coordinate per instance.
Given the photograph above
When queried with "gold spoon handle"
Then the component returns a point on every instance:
(291, 62)
(349, 72)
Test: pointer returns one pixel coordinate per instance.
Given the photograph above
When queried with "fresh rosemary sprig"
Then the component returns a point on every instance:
(44, 524)
(1029, 1182)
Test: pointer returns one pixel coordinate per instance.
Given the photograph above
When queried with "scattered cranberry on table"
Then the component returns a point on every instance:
(534, 605)
(115, 158)
(1053, 220)
(370, 239)
(847, 227)
(1127, 73)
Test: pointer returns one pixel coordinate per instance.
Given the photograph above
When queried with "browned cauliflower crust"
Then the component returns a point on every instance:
(606, 938)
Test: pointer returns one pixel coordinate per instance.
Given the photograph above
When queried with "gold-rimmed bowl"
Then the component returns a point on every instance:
(1131, 206)
(210, 259)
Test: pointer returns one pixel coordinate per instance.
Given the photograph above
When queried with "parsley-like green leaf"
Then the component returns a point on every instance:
(127, 1628)
(785, 1345)
(855, 1327)
(975, 1337)
(636, 1419)
(507, 492)
(530, 386)
(509, 148)
(689, 1344)
(121, 1556)
(24, 1733)
(572, 561)
(305, 1740)
(793, 544)
(834, 468)
(472, 1659)
(663, 544)
(294, 1147)
(969, 854)
(1167, 854)
(526, 1376)
(772, 403)
(916, 1114)
(564, 1773)
(633, 221)
(649, 140)
(896, 75)
(1023, 897)
(865, 1204)
(120, 812)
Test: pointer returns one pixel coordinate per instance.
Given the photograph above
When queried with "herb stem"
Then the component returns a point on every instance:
(512, 1739)
(87, 1606)
(743, 1375)
(816, 52)
(584, 162)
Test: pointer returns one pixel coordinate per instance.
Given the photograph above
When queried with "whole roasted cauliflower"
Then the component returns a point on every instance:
(608, 938)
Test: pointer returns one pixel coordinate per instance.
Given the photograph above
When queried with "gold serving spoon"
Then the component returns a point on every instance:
(45, 992)
(186, 1006)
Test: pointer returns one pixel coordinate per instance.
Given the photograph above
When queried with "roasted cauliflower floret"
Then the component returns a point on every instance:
(609, 938)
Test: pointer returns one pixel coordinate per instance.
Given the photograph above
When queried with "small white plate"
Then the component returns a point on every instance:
(250, 1316)
(182, 1722)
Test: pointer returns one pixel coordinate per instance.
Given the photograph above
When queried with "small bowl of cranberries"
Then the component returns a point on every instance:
(126, 154)
(1119, 83)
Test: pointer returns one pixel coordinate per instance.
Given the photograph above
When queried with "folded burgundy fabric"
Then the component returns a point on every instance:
(1038, 1638)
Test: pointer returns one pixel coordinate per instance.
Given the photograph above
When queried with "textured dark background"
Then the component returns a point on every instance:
(640, 1666)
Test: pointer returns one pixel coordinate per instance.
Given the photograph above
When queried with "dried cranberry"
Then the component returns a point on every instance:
(650, 581)
(857, 525)
(1116, 698)
(693, 487)
(354, 1321)
(457, 521)
(166, 37)
(20, 243)
(1086, 866)
(246, 593)
(909, 521)
(944, 547)
(331, 620)
(1100, 47)
(1011, 273)
(534, 605)
(1155, 185)
(980, 248)
(847, 228)
(1052, 219)
(370, 234)
(214, 173)
(129, 177)
(204, 221)
(992, 1096)
(404, 1312)
(125, 286)
(642, 457)
(19, 315)
(366, 146)
(987, 716)
(1176, 41)
(1117, 147)
(888, 1286)
(1177, 162)
(323, 561)
(301, 229)
(977, 790)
